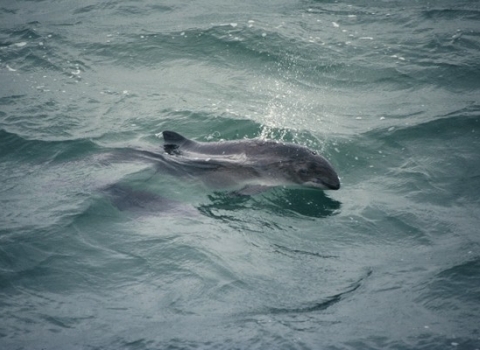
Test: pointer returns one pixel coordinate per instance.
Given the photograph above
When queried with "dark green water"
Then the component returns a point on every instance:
(388, 91)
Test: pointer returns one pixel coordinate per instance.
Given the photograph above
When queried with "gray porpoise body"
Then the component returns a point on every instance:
(253, 165)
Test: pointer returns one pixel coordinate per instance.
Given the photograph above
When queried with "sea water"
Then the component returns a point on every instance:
(101, 252)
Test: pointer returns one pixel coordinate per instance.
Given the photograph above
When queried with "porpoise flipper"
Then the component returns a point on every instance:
(143, 203)
(251, 190)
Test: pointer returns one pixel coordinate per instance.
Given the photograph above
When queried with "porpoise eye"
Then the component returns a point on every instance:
(313, 152)
(303, 171)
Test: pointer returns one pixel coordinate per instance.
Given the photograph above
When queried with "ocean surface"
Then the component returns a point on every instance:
(102, 251)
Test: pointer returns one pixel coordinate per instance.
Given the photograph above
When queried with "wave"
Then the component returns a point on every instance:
(454, 125)
(317, 306)
(455, 284)
(464, 13)
(23, 148)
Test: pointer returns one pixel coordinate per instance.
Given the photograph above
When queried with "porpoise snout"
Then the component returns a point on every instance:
(330, 183)
(334, 185)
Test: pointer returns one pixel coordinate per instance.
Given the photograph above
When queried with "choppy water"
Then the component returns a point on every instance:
(388, 91)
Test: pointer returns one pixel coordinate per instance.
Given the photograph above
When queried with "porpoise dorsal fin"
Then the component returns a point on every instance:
(173, 141)
(173, 138)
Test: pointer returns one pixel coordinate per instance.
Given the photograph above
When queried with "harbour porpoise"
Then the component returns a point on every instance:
(250, 166)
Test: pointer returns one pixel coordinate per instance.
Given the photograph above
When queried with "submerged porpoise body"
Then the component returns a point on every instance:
(251, 166)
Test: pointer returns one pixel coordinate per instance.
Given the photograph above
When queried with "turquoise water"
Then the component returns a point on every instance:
(388, 91)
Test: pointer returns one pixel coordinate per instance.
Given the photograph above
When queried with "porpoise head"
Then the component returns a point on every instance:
(310, 169)
(317, 173)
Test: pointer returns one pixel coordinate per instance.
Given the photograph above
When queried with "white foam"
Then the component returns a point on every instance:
(11, 69)
(21, 44)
